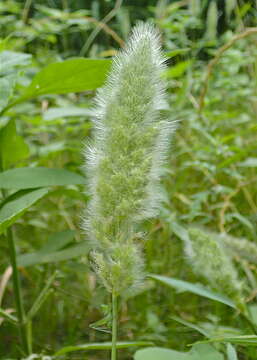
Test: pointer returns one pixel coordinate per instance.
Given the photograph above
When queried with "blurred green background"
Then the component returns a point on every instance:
(210, 178)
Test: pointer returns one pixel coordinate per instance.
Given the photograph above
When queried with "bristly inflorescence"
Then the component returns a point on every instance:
(124, 161)
(240, 247)
(210, 259)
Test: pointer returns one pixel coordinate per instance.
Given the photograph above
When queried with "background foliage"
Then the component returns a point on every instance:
(210, 179)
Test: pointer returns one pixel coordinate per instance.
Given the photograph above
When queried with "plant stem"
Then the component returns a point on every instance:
(216, 59)
(246, 315)
(25, 12)
(17, 286)
(29, 336)
(17, 290)
(114, 325)
(249, 322)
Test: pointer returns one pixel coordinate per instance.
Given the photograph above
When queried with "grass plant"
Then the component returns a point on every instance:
(124, 162)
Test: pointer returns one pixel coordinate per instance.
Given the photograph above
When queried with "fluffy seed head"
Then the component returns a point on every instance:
(241, 247)
(124, 161)
(209, 259)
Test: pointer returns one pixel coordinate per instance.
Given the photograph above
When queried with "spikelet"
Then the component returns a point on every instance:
(241, 247)
(209, 259)
(125, 160)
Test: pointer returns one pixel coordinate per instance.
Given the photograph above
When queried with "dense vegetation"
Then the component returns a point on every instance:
(53, 57)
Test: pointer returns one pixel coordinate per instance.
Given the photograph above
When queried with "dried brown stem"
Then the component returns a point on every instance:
(215, 60)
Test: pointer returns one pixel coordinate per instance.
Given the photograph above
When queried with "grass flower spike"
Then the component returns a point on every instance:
(125, 159)
(210, 259)
(241, 247)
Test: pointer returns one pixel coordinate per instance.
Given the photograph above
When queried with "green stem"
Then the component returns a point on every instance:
(29, 336)
(114, 325)
(16, 284)
(247, 318)
(17, 290)
(25, 13)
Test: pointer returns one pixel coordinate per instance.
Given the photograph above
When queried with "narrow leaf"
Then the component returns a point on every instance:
(12, 319)
(193, 288)
(39, 258)
(191, 326)
(41, 297)
(243, 340)
(101, 346)
(57, 241)
(231, 352)
(55, 113)
(12, 210)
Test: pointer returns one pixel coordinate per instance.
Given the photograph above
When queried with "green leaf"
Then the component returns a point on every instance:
(13, 209)
(253, 312)
(11, 59)
(243, 220)
(7, 84)
(178, 70)
(73, 75)
(45, 292)
(243, 340)
(250, 162)
(196, 353)
(7, 316)
(12, 146)
(231, 352)
(193, 288)
(191, 326)
(56, 256)
(103, 324)
(179, 231)
(102, 346)
(172, 53)
(55, 112)
(58, 241)
(27, 178)
(50, 251)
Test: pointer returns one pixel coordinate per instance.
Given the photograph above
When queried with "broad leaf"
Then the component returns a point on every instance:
(12, 146)
(11, 59)
(102, 346)
(196, 353)
(193, 288)
(73, 75)
(13, 209)
(27, 178)
(7, 84)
